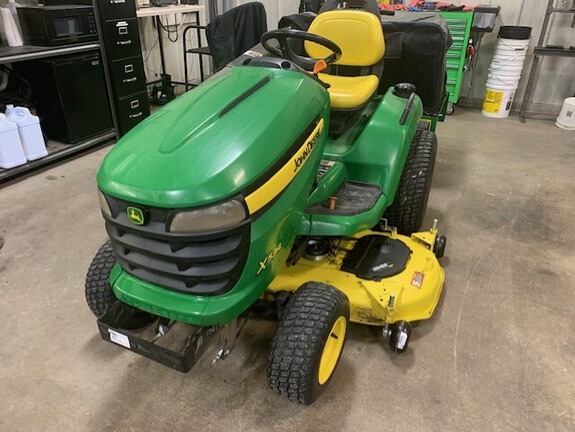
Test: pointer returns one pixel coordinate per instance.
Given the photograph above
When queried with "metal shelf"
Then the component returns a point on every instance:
(57, 151)
(29, 52)
(562, 10)
(543, 51)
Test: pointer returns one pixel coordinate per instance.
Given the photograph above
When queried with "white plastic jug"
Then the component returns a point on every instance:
(11, 151)
(10, 28)
(30, 132)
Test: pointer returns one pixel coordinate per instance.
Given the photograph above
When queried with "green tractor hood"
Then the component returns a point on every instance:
(214, 141)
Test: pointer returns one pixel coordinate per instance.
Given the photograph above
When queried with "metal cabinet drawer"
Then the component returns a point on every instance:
(128, 76)
(457, 34)
(116, 9)
(122, 39)
(456, 22)
(131, 110)
(453, 63)
(456, 49)
(453, 75)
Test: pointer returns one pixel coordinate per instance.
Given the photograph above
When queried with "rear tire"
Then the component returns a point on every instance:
(99, 293)
(408, 208)
(308, 342)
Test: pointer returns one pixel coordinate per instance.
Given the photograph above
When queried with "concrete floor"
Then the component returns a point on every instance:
(498, 355)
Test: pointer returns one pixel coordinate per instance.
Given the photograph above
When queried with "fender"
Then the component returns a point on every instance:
(376, 156)
(379, 154)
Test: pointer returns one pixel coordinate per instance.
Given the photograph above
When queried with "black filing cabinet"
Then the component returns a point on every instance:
(128, 75)
(133, 109)
(124, 58)
(122, 38)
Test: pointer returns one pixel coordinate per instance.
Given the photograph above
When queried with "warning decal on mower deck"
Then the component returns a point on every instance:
(417, 279)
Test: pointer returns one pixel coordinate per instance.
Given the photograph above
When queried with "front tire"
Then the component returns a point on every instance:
(408, 208)
(99, 293)
(308, 342)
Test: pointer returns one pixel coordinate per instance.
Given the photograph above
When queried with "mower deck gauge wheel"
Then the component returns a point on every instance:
(399, 338)
(439, 246)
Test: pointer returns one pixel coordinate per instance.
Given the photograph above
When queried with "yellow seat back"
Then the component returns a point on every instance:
(357, 33)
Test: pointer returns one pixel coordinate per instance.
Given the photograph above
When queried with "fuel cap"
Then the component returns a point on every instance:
(404, 90)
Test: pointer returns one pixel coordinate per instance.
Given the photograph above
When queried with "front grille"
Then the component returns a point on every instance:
(201, 264)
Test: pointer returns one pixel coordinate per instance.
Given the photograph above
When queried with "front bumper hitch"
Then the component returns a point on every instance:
(179, 346)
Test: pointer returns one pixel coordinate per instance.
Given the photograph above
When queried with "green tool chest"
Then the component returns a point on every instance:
(459, 24)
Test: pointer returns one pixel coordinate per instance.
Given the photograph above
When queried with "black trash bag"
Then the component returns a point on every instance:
(236, 31)
(310, 5)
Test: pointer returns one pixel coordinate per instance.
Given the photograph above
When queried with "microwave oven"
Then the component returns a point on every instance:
(58, 25)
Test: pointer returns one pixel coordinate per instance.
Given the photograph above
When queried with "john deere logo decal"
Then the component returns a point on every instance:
(135, 215)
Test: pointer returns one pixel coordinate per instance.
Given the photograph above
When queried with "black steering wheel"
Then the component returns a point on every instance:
(285, 51)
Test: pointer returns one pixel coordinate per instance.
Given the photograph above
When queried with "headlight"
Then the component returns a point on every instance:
(209, 218)
(104, 206)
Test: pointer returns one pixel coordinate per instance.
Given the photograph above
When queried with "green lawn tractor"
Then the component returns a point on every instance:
(287, 183)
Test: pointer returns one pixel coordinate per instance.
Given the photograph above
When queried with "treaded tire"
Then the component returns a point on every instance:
(99, 293)
(302, 332)
(408, 208)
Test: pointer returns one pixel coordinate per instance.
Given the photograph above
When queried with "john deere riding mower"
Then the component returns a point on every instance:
(287, 182)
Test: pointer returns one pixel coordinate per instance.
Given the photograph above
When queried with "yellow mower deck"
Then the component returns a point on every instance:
(411, 295)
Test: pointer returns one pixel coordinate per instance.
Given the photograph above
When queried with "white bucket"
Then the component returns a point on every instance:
(504, 45)
(497, 100)
(566, 119)
(504, 72)
(499, 58)
(506, 67)
(507, 51)
(504, 76)
(509, 59)
(501, 85)
(508, 81)
(513, 43)
(498, 64)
